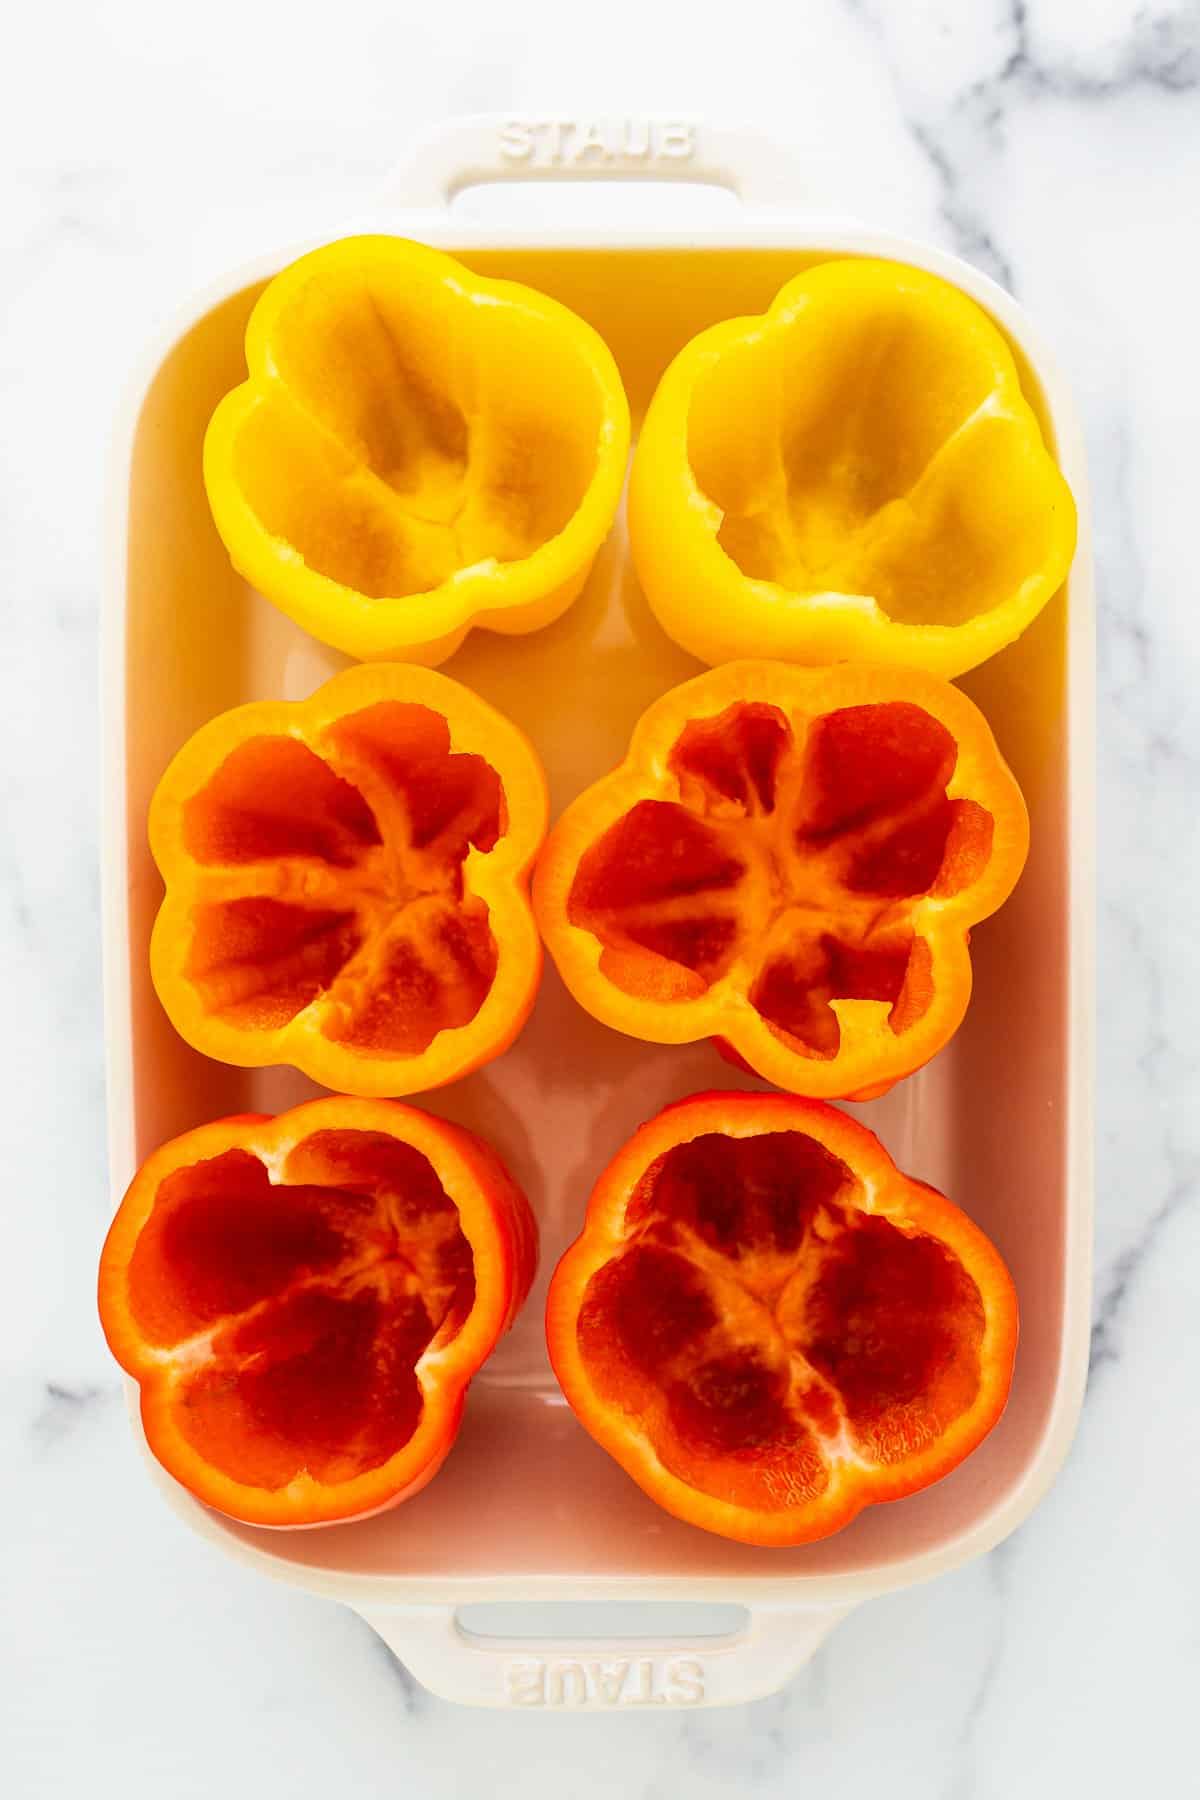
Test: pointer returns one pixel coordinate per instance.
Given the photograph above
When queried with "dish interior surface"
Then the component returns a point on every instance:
(526, 1494)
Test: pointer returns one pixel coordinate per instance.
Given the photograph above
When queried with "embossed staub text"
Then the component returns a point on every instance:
(600, 143)
(617, 1681)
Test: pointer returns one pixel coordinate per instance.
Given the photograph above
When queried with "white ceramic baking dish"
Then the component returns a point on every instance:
(528, 1509)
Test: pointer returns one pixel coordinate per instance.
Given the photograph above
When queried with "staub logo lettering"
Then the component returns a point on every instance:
(623, 1681)
(576, 143)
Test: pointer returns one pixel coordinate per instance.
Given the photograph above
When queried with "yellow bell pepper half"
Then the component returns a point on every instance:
(856, 474)
(417, 450)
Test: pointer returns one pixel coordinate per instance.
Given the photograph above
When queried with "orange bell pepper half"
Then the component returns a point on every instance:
(347, 882)
(788, 860)
(769, 1326)
(303, 1301)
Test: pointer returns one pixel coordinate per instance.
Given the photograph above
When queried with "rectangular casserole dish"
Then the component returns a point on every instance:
(528, 1509)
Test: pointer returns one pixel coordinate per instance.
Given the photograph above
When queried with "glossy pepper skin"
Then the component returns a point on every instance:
(788, 860)
(347, 882)
(304, 1299)
(417, 450)
(769, 1326)
(855, 475)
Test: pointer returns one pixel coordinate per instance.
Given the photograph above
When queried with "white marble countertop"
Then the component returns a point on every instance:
(145, 149)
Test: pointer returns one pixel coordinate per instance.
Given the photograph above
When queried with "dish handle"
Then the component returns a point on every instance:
(490, 147)
(602, 1674)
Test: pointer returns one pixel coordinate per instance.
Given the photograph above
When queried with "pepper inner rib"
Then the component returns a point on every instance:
(761, 1326)
(784, 858)
(331, 881)
(393, 448)
(296, 1312)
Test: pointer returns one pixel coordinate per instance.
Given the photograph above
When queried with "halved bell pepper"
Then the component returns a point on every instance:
(303, 1301)
(788, 860)
(347, 882)
(769, 1326)
(418, 450)
(855, 475)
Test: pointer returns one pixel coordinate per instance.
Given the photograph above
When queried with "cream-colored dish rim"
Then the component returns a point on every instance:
(418, 205)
